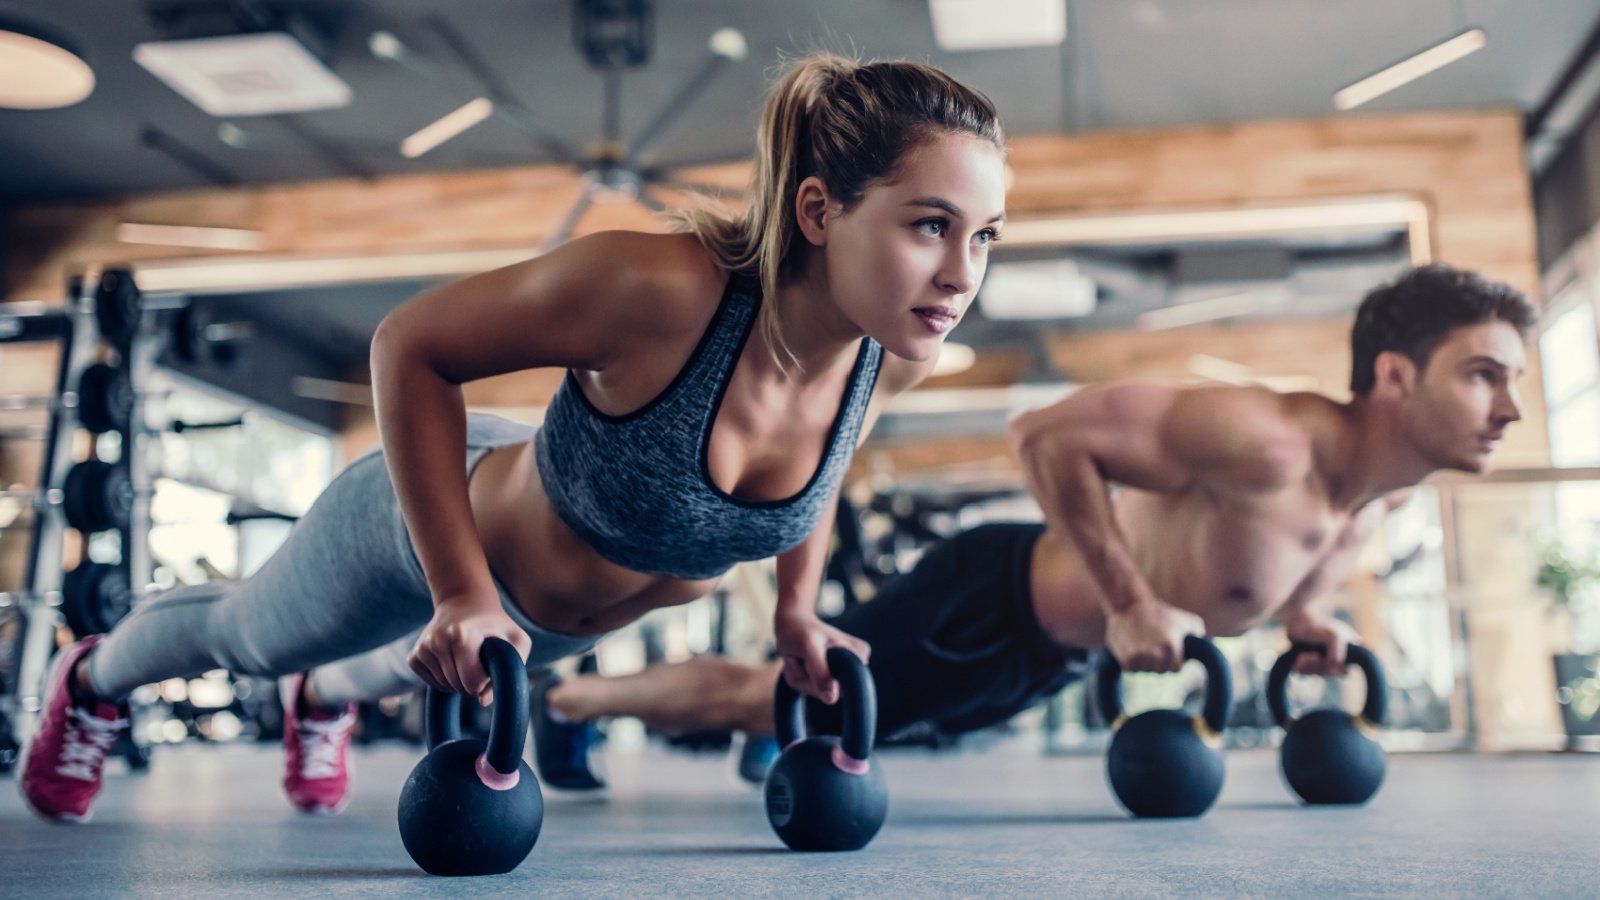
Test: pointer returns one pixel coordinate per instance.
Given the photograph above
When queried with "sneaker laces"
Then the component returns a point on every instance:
(322, 745)
(87, 743)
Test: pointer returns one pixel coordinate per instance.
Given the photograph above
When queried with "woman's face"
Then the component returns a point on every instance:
(904, 264)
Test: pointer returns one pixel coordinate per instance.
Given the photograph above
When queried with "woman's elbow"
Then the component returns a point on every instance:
(392, 345)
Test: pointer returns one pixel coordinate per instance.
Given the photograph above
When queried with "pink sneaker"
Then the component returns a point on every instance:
(62, 763)
(316, 750)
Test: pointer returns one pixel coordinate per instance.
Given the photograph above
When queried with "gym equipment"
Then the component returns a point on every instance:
(1165, 763)
(1328, 755)
(471, 807)
(117, 306)
(95, 597)
(198, 338)
(824, 792)
(105, 398)
(96, 496)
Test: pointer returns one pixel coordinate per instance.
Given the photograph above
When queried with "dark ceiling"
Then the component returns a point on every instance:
(1125, 64)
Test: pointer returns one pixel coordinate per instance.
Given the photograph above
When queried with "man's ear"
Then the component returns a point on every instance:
(1395, 374)
(811, 204)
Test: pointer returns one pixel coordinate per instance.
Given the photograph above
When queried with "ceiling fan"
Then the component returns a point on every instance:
(613, 36)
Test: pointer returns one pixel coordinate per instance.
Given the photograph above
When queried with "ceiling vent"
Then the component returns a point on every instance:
(272, 67)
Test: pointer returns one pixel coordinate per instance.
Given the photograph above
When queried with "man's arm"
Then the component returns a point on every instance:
(1302, 622)
(1229, 440)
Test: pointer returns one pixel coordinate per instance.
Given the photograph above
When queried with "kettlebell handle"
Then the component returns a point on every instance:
(1219, 683)
(856, 692)
(508, 725)
(1377, 703)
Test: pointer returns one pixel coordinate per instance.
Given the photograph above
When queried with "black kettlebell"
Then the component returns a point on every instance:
(825, 792)
(1163, 763)
(1328, 755)
(470, 807)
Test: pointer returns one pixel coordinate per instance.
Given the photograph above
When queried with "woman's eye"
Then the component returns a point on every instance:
(932, 227)
(988, 236)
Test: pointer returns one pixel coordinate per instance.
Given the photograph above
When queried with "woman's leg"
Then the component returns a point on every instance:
(345, 581)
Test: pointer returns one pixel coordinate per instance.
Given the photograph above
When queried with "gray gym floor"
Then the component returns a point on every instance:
(210, 822)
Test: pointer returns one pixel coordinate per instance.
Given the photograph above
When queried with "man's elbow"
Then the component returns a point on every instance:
(1027, 436)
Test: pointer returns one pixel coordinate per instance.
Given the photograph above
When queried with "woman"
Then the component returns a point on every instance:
(719, 380)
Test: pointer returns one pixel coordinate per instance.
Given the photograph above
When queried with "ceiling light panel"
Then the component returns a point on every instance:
(998, 24)
(266, 73)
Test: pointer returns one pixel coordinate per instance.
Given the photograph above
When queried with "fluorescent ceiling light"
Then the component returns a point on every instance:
(191, 236)
(1410, 69)
(39, 70)
(453, 123)
(998, 24)
(264, 272)
(266, 73)
(1224, 307)
(1209, 224)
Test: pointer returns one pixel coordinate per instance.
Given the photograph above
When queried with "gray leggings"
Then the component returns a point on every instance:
(343, 598)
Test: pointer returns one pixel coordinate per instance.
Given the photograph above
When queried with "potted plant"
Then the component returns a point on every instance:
(1572, 579)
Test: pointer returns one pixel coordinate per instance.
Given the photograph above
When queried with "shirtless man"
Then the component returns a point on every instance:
(1239, 504)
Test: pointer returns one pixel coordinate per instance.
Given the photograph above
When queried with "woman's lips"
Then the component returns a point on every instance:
(937, 319)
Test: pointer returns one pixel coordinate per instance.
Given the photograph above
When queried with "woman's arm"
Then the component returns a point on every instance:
(577, 307)
(801, 637)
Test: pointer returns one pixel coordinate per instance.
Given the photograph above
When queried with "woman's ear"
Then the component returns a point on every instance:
(811, 210)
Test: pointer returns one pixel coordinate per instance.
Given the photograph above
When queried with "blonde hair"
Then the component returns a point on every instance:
(850, 124)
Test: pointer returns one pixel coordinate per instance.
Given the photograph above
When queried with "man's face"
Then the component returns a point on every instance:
(1461, 403)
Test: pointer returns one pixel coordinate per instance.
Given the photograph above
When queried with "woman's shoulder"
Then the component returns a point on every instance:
(668, 281)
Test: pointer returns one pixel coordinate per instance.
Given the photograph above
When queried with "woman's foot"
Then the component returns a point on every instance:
(316, 750)
(63, 762)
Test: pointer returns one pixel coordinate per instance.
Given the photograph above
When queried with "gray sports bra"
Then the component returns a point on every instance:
(637, 488)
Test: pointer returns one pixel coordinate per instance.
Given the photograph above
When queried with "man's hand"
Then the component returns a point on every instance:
(803, 641)
(1327, 632)
(1148, 636)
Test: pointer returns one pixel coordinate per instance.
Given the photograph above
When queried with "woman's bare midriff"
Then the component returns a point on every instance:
(554, 577)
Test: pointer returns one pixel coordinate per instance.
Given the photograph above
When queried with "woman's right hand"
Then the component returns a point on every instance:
(446, 655)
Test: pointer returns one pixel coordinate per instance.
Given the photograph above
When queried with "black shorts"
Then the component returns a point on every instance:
(955, 642)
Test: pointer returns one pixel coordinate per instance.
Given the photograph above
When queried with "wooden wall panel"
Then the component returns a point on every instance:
(1467, 165)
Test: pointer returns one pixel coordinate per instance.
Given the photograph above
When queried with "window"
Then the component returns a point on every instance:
(1570, 355)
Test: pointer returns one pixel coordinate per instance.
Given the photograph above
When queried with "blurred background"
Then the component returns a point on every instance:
(1199, 190)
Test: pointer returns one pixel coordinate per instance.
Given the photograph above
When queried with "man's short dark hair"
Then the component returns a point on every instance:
(1415, 314)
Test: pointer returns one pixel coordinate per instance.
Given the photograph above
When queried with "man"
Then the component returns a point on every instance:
(1239, 504)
